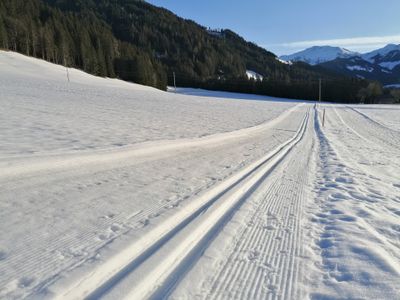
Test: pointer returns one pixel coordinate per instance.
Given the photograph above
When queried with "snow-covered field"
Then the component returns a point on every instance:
(114, 190)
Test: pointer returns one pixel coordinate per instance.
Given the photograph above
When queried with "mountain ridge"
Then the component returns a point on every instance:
(136, 41)
(382, 64)
(318, 54)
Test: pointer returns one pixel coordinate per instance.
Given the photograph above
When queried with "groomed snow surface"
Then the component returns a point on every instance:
(111, 190)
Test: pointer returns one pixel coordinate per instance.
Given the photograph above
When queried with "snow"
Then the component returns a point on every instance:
(371, 56)
(284, 61)
(360, 68)
(226, 95)
(114, 190)
(390, 64)
(53, 115)
(253, 75)
(391, 86)
(319, 54)
(387, 117)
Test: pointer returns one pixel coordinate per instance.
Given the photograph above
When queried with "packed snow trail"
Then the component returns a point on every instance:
(114, 190)
(331, 209)
(387, 116)
(259, 254)
(80, 207)
(186, 233)
(109, 193)
(356, 215)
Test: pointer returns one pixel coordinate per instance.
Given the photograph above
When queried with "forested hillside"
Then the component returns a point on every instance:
(136, 41)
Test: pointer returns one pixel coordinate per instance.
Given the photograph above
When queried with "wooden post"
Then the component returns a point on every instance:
(67, 73)
(323, 119)
(66, 67)
(320, 90)
(174, 81)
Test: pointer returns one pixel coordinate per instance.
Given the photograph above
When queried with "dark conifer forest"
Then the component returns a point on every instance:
(138, 42)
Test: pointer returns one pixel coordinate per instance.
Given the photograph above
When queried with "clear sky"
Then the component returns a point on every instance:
(287, 26)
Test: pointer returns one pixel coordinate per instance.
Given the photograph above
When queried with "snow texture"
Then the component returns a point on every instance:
(318, 54)
(390, 64)
(112, 190)
(360, 68)
(253, 75)
(374, 55)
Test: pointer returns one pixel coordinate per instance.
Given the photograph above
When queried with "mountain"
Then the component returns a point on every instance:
(382, 64)
(389, 53)
(139, 42)
(360, 68)
(319, 54)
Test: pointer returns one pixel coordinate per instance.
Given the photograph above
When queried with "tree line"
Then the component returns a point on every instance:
(138, 42)
(75, 39)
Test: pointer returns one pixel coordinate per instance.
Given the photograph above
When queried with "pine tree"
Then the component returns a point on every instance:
(3, 34)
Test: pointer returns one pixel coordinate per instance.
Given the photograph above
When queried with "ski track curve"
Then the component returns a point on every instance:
(375, 148)
(70, 248)
(371, 129)
(37, 164)
(209, 212)
(373, 120)
(265, 258)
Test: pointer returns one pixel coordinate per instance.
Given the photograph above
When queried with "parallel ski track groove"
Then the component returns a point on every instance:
(394, 136)
(372, 120)
(91, 233)
(255, 237)
(369, 139)
(94, 288)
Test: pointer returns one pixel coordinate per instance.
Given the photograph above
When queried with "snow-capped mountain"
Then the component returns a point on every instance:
(319, 54)
(358, 67)
(381, 64)
(384, 54)
(387, 57)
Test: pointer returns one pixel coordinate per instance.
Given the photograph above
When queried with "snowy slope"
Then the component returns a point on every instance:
(387, 57)
(319, 54)
(373, 56)
(112, 190)
(80, 158)
(96, 113)
(381, 64)
(253, 75)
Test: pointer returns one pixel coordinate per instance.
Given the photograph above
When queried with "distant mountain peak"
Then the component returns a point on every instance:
(382, 64)
(319, 54)
(378, 54)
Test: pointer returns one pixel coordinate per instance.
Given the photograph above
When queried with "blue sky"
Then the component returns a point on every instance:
(286, 26)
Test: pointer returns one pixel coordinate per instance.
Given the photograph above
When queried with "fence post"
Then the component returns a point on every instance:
(174, 81)
(67, 73)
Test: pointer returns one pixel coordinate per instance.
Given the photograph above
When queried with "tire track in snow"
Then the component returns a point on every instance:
(207, 214)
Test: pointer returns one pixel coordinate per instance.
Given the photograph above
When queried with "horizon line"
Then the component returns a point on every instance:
(355, 44)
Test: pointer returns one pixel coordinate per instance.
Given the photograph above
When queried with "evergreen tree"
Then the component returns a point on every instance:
(139, 42)
(3, 34)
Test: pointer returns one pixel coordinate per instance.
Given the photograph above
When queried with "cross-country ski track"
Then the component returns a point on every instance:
(193, 228)
(232, 199)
